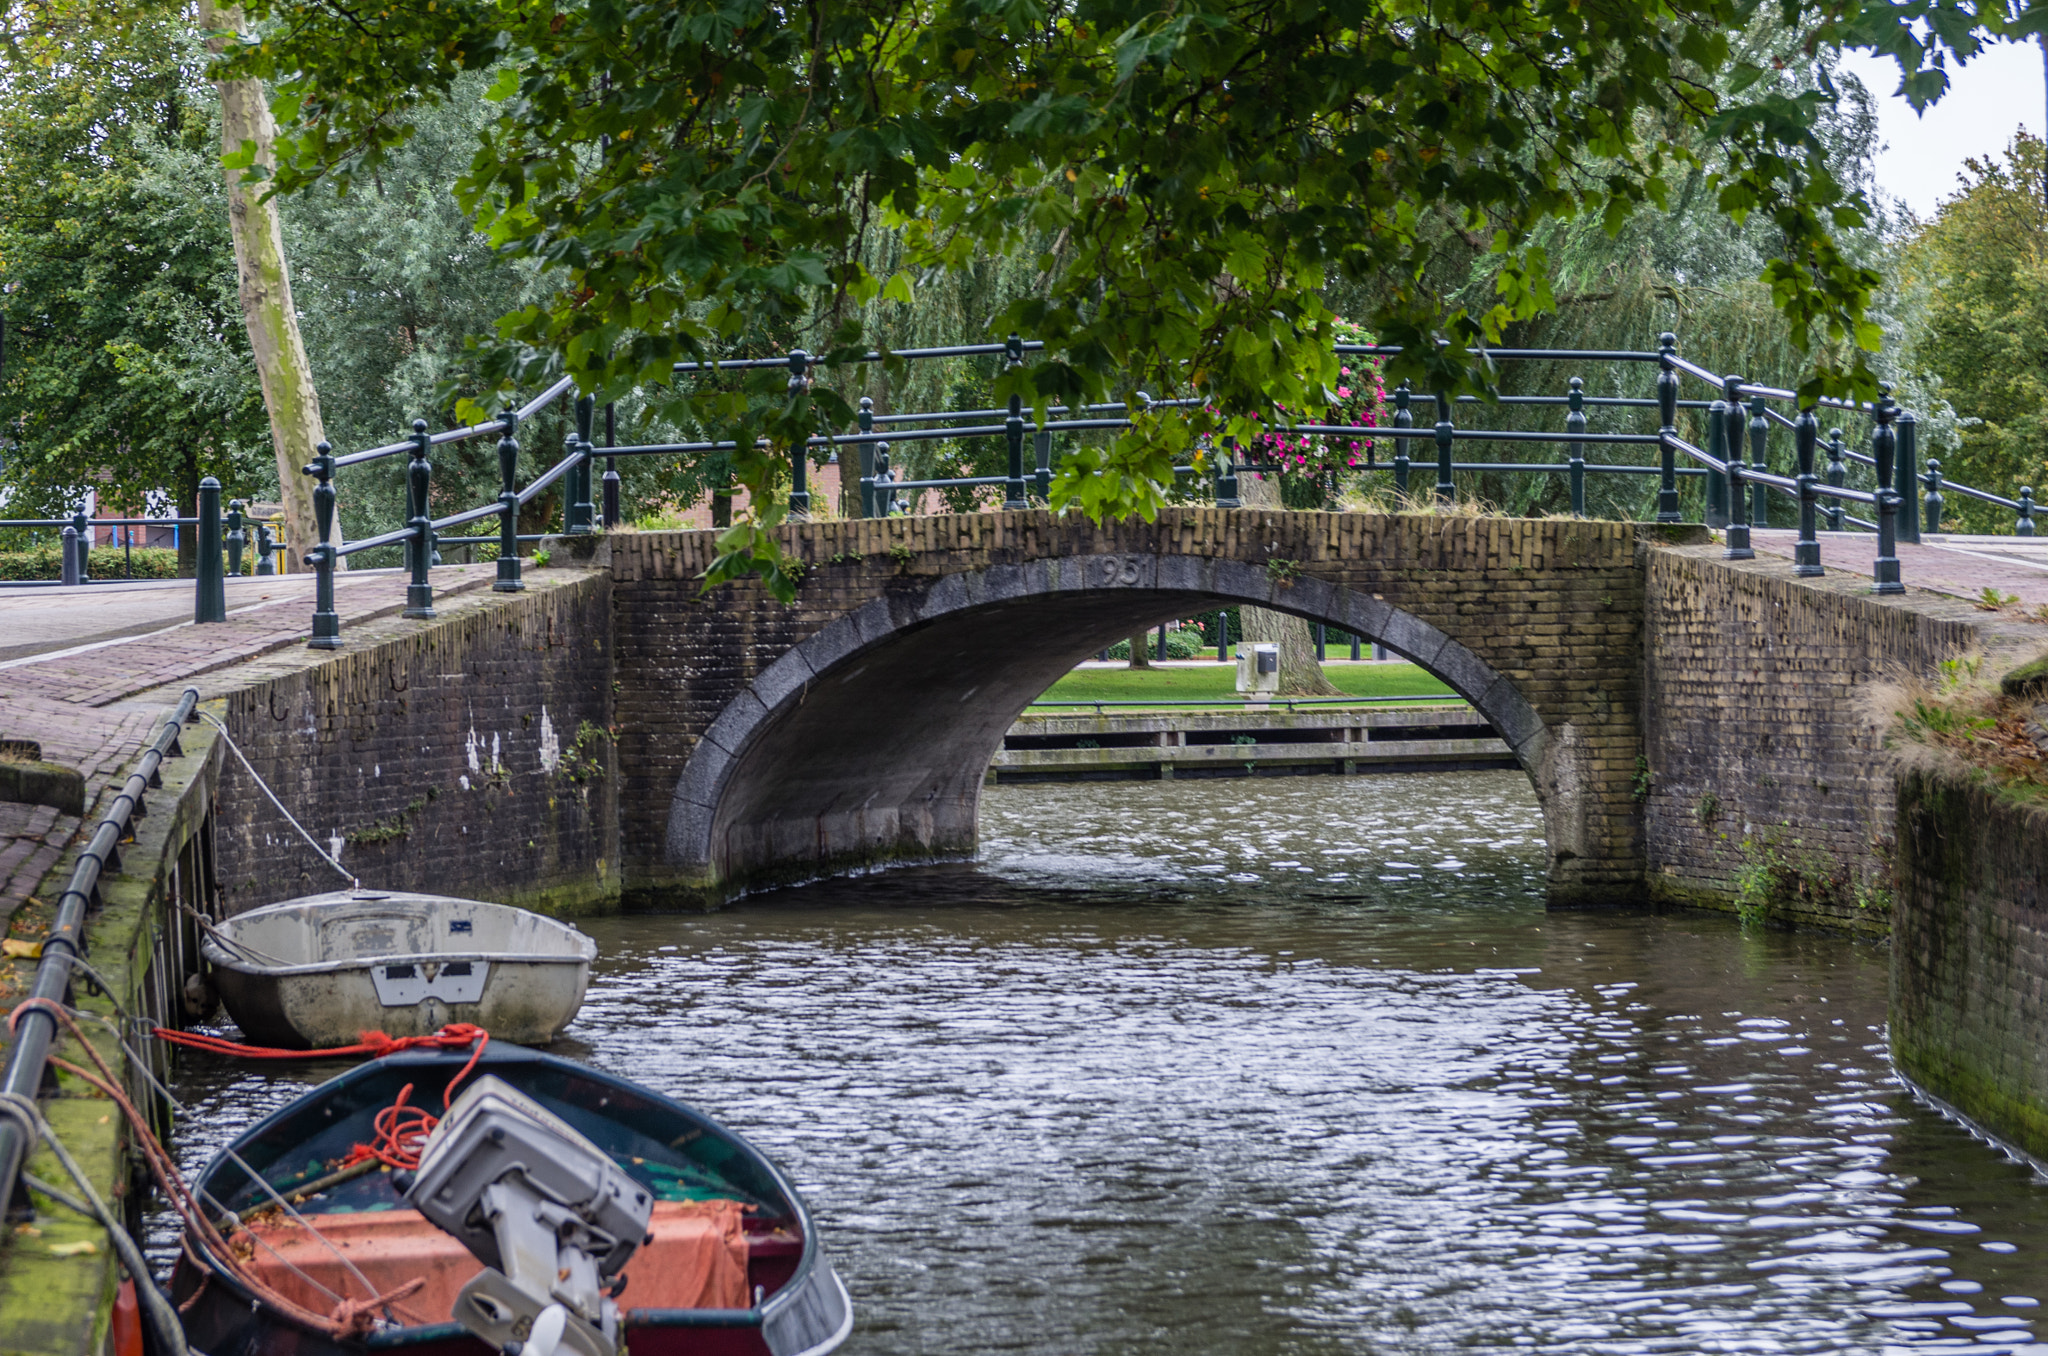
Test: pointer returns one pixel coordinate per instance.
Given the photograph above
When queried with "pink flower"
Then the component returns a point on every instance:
(1344, 393)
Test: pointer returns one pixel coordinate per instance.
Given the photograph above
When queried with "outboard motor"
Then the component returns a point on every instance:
(549, 1214)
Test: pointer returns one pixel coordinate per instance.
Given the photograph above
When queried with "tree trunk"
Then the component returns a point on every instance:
(1139, 659)
(1300, 674)
(266, 293)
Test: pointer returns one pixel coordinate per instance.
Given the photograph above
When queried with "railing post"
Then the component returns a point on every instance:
(1883, 450)
(83, 523)
(266, 546)
(1446, 432)
(800, 451)
(1838, 476)
(210, 590)
(1717, 448)
(238, 539)
(1404, 419)
(1733, 430)
(1041, 451)
(1805, 437)
(867, 457)
(1934, 500)
(1013, 429)
(326, 621)
(2025, 526)
(419, 593)
(1908, 478)
(1760, 459)
(1226, 479)
(508, 580)
(580, 519)
(1667, 414)
(67, 564)
(1575, 424)
(611, 466)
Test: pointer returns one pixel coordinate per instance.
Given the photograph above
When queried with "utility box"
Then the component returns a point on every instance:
(1258, 669)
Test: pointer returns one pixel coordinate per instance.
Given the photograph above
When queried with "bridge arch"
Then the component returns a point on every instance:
(867, 742)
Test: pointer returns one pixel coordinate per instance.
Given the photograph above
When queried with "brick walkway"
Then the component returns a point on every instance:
(76, 692)
(1961, 567)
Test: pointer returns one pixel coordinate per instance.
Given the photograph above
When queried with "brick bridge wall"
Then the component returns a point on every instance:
(853, 725)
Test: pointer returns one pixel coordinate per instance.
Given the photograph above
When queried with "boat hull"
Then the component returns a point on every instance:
(800, 1307)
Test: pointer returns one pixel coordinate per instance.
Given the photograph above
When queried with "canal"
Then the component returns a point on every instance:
(1302, 1066)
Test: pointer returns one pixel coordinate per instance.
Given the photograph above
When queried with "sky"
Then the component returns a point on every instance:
(1988, 99)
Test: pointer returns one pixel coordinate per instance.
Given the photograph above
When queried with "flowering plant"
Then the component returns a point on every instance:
(1358, 401)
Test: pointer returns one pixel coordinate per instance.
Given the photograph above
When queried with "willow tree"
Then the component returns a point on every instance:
(690, 176)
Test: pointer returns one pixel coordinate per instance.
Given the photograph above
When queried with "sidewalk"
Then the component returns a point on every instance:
(1959, 566)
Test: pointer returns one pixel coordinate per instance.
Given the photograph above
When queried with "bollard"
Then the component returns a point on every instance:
(1667, 414)
(1162, 642)
(1733, 429)
(1717, 448)
(611, 467)
(1838, 476)
(2025, 526)
(1322, 642)
(1759, 457)
(1884, 572)
(1222, 636)
(210, 587)
(266, 546)
(1013, 431)
(1934, 501)
(80, 521)
(1806, 555)
(1446, 432)
(1404, 418)
(326, 621)
(68, 565)
(885, 494)
(419, 592)
(799, 453)
(580, 518)
(1907, 480)
(237, 539)
(508, 580)
(1574, 424)
(867, 457)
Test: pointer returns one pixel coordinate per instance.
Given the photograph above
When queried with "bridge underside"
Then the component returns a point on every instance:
(867, 742)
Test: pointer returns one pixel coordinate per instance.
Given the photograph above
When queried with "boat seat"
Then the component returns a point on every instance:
(697, 1259)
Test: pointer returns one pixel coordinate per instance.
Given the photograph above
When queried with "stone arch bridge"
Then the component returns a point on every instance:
(768, 742)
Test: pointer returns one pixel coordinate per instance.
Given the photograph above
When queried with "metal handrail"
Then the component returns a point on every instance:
(35, 1029)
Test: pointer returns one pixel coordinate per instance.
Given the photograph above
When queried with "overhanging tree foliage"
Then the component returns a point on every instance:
(695, 177)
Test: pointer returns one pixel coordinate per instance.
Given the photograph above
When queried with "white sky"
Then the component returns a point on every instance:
(1994, 95)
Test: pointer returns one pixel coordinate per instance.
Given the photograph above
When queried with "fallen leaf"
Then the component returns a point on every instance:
(17, 949)
(82, 1248)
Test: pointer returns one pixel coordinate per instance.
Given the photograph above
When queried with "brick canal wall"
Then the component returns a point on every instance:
(1762, 750)
(466, 756)
(1969, 993)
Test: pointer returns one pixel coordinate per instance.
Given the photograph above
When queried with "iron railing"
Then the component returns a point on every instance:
(1733, 469)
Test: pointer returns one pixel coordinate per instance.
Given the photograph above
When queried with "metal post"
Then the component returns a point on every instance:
(1354, 647)
(1908, 479)
(1222, 636)
(1322, 642)
(581, 516)
(266, 546)
(611, 466)
(1934, 501)
(326, 621)
(80, 521)
(1732, 432)
(1667, 416)
(1805, 437)
(1013, 429)
(1162, 642)
(2025, 526)
(210, 591)
(508, 580)
(1575, 424)
(1759, 457)
(1226, 482)
(238, 539)
(67, 565)
(885, 493)
(1717, 448)
(867, 457)
(1446, 492)
(1041, 451)
(1404, 419)
(1838, 476)
(1884, 442)
(419, 593)
(800, 452)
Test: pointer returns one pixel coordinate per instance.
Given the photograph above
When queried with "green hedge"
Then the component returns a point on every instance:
(46, 561)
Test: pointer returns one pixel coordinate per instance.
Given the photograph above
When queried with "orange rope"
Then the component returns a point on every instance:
(454, 1036)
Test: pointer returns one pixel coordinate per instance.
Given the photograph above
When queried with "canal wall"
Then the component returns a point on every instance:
(1969, 989)
(469, 755)
(1766, 782)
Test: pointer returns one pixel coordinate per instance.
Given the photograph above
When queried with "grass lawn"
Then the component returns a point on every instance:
(1218, 682)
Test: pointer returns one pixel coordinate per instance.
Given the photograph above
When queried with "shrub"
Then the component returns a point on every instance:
(45, 560)
(1185, 643)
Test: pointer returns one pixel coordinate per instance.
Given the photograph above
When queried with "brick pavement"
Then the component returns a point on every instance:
(85, 705)
(1962, 567)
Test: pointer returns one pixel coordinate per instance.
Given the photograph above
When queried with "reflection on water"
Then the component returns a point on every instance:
(1303, 1066)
